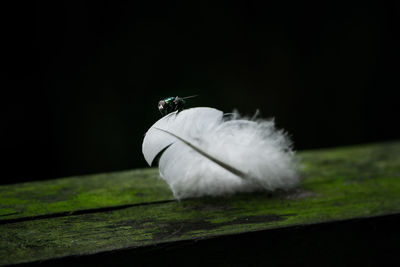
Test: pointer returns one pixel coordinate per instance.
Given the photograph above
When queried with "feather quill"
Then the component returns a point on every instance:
(202, 152)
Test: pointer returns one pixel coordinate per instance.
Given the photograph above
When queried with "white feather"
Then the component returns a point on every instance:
(204, 153)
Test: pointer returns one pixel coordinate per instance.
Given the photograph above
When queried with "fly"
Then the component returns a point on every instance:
(171, 104)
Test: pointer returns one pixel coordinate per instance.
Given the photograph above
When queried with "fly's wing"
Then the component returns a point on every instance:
(187, 97)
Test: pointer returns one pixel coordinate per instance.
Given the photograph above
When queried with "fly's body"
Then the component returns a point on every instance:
(171, 104)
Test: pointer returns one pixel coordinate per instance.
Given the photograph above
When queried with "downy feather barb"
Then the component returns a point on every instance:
(202, 152)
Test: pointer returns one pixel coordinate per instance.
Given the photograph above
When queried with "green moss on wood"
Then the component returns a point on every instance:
(337, 184)
(81, 193)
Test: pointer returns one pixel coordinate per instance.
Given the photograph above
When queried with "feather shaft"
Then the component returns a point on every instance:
(213, 159)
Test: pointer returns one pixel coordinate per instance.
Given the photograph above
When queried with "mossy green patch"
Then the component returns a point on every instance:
(7, 211)
(82, 193)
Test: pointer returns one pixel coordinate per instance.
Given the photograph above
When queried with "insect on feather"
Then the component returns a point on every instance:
(201, 152)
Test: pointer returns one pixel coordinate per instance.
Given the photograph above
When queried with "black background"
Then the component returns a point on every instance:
(80, 80)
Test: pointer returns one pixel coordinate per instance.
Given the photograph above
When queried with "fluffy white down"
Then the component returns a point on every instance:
(255, 147)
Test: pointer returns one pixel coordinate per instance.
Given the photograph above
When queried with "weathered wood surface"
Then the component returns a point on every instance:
(74, 194)
(108, 212)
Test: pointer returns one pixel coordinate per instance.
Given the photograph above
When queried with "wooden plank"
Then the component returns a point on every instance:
(81, 193)
(106, 190)
(338, 184)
